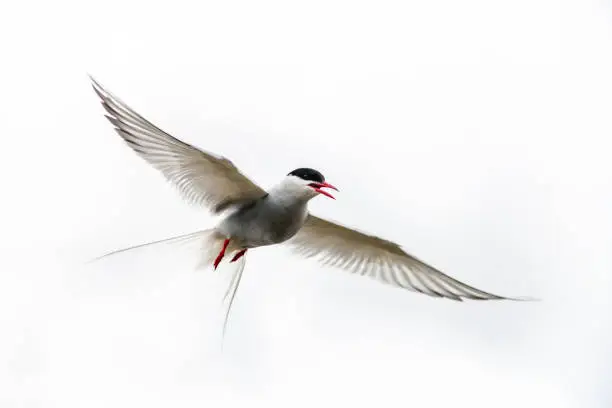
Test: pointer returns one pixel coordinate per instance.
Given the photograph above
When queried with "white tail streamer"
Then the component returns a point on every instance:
(210, 243)
(232, 288)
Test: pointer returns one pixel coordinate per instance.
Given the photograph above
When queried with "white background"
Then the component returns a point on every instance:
(475, 133)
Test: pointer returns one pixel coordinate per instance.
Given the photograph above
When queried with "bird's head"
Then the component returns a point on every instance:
(306, 183)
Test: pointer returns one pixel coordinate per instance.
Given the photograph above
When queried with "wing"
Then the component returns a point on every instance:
(202, 177)
(384, 260)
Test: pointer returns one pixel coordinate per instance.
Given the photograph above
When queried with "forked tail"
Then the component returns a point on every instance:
(210, 242)
(209, 239)
(230, 293)
(185, 238)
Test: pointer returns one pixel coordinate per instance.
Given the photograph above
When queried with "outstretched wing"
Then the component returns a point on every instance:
(356, 252)
(203, 178)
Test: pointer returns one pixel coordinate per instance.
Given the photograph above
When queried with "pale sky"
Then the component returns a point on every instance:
(474, 133)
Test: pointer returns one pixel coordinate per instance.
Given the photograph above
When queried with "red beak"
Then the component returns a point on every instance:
(318, 186)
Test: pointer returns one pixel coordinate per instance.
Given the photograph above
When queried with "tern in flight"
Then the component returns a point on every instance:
(256, 217)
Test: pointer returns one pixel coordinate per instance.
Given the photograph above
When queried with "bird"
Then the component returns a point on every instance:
(254, 217)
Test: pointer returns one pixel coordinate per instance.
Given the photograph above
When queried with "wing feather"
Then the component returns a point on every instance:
(201, 177)
(386, 261)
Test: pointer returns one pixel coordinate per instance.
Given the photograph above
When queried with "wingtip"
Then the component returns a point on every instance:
(513, 299)
(92, 79)
(97, 87)
(526, 299)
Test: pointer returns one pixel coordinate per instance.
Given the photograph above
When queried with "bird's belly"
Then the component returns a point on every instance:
(277, 231)
(261, 229)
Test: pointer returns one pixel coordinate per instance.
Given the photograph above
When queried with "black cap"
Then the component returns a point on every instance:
(308, 174)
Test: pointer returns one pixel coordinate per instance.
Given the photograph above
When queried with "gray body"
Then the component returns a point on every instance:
(269, 220)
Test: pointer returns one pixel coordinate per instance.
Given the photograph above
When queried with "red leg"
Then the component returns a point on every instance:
(238, 255)
(222, 253)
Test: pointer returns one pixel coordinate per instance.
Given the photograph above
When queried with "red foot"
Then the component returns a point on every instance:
(222, 253)
(238, 255)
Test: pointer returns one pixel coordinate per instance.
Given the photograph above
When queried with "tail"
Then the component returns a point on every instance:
(230, 293)
(209, 239)
(209, 251)
(210, 242)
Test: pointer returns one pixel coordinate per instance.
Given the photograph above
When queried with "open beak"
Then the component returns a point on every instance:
(318, 186)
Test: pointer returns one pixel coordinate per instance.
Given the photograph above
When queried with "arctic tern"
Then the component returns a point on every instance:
(256, 217)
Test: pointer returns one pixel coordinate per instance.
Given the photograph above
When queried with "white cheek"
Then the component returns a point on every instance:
(310, 192)
(294, 188)
(304, 191)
